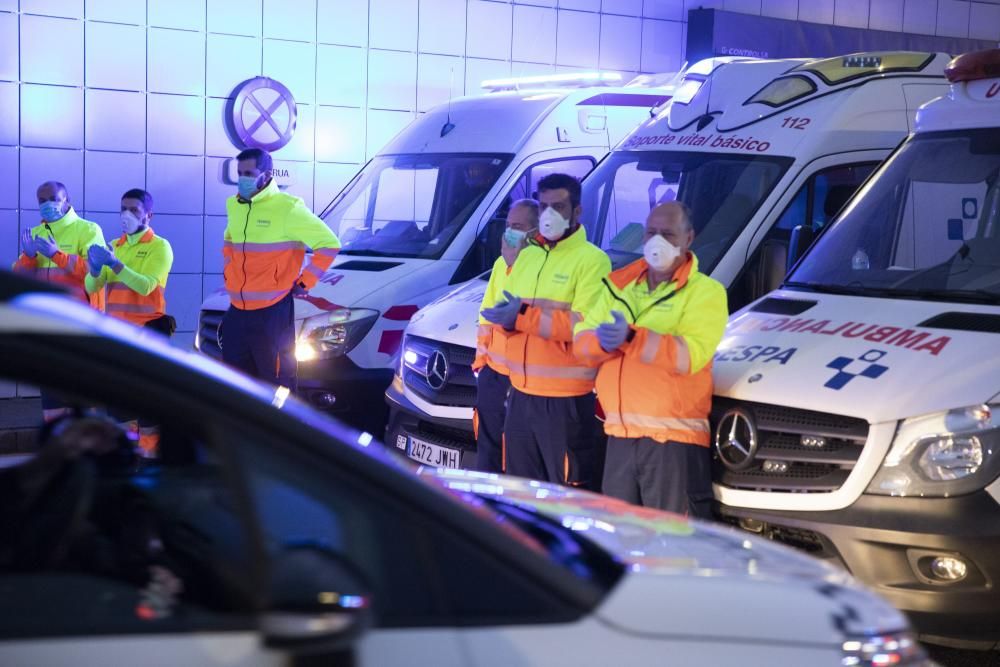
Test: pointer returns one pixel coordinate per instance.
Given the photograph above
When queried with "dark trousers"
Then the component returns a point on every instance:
(261, 342)
(552, 439)
(491, 408)
(671, 476)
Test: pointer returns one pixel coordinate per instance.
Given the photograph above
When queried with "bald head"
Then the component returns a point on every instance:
(672, 212)
(55, 192)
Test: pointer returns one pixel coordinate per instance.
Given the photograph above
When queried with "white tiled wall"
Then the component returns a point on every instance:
(111, 94)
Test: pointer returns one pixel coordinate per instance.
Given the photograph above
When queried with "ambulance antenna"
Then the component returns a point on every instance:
(448, 125)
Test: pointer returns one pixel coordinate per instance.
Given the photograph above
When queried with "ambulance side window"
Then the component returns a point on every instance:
(815, 204)
(485, 251)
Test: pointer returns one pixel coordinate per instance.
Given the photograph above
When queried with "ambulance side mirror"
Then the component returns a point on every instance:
(802, 237)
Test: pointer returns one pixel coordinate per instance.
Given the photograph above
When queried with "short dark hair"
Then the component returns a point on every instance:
(565, 182)
(260, 157)
(141, 195)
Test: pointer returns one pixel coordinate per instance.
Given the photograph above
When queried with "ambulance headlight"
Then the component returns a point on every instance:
(942, 454)
(334, 333)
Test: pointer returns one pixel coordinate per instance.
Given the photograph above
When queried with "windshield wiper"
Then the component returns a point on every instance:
(969, 295)
(936, 294)
(851, 290)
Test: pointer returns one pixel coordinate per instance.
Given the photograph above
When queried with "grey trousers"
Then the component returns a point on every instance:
(672, 476)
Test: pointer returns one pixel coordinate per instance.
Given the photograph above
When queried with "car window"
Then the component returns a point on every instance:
(723, 192)
(121, 522)
(815, 205)
(295, 506)
(412, 205)
(486, 249)
(416, 570)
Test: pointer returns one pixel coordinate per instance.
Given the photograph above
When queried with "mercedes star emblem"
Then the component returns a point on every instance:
(437, 370)
(736, 439)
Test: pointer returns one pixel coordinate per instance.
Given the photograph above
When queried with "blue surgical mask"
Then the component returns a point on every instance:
(247, 186)
(50, 210)
(514, 237)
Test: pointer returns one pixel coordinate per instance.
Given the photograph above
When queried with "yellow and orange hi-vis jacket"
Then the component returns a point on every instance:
(490, 349)
(136, 291)
(264, 245)
(659, 383)
(68, 267)
(557, 283)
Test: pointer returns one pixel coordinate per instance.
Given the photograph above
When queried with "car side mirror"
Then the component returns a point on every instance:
(801, 238)
(772, 270)
(318, 601)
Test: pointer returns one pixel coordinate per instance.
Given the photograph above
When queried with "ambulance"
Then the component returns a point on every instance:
(857, 408)
(756, 148)
(427, 213)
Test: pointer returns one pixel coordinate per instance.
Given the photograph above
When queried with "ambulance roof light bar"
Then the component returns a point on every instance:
(974, 66)
(571, 80)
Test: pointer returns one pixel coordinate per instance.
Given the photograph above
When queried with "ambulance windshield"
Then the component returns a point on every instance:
(411, 205)
(722, 190)
(926, 227)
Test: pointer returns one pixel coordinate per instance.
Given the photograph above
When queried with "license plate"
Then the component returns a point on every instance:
(434, 455)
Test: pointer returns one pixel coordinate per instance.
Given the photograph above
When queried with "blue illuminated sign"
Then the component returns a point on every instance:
(262, 114)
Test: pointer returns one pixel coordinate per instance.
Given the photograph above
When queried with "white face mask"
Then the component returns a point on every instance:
(660, 253)
(130, 223)
(552, 225)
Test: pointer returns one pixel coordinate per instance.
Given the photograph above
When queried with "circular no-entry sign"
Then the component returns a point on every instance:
(262, 114)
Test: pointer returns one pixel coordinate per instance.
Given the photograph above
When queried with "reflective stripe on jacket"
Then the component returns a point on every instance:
(659, 383)
(264, 246)
(557, 283)
(136, 291)
(68, 267)
(492, 350)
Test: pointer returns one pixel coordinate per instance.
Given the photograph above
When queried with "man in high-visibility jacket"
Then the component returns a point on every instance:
(55, 251)
(490, 364)
(549, 429)
(265, 242)
(654, 331)
(135, 269)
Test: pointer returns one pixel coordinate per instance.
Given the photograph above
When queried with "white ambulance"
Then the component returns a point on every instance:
(428, 212)
(754, 147)
(856, 412)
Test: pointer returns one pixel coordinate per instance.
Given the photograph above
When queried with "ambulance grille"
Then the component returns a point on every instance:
(799, 451)
(208, 333)
(459, 388)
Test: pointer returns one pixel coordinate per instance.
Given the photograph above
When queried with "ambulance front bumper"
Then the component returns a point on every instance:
(426, 438)
(909, 551)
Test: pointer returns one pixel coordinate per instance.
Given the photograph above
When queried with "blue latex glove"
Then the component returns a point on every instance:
(27, 243)
(97, 257)
(612, 335)
(45, 246)
(504, 313)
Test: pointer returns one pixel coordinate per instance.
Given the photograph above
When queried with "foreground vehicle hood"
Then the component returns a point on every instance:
(696, 579)
(863, 357)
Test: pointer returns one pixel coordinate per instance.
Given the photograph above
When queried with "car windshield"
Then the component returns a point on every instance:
(722, 190)
(411, 205)
(927, 227)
